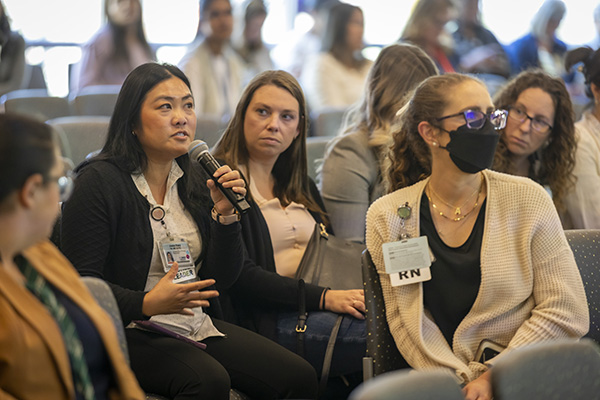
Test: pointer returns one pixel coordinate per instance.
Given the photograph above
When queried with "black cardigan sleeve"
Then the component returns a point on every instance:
(104, 234)
(259, 282)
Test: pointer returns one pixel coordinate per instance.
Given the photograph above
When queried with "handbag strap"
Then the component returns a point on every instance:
(302, 315)
(329, 355)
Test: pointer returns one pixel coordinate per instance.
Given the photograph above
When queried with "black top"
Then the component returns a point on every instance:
(94, 351)
(455, 274)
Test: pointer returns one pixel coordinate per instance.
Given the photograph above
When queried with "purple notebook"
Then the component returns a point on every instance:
(152, 327)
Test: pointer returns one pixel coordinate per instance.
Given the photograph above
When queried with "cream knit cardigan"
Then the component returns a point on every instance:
(530, 287)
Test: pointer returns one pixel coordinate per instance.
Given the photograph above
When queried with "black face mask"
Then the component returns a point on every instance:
(472, 150)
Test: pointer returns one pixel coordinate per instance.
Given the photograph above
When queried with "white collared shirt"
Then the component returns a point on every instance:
(180, 224)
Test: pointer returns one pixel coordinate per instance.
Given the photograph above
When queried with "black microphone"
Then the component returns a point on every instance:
(198, 151)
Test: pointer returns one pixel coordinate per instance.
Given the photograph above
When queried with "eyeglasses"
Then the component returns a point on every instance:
(65, 182)
(475, 119)
(537, 123)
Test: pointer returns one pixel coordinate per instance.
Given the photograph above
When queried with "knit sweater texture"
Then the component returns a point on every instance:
(531, 289)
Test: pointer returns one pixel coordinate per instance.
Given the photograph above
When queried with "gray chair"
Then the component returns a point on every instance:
(585, 244)
(409, 385)
(106, 299)
(315, 151)
(35, 103)
(95, 100)
(83, 135)
(551, 370)
(209, 129)
(327, 122)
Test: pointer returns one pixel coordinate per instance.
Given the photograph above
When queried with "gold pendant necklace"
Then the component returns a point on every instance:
(457, 210)
(460, 217)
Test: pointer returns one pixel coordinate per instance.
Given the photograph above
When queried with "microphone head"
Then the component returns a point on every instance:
(196, 148)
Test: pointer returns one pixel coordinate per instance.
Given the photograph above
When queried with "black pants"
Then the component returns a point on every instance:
(253, 364)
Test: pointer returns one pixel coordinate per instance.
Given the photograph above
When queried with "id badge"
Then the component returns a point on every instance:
(407, 261)
(177, 251)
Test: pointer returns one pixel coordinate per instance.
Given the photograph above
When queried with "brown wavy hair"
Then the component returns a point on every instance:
(557, 159)
(290, 170)
(409, 156)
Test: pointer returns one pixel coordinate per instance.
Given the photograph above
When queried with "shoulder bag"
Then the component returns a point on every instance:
(333, 263)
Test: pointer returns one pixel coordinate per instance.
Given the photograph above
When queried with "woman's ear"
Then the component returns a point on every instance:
(27, 194)
(428, 132)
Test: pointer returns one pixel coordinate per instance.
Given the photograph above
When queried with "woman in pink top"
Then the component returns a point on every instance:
(117, 48)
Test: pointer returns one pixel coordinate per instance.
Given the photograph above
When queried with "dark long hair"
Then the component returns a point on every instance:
(120, 52)
(590, 60)
(123, 148)
(26, 148)
(334, 37)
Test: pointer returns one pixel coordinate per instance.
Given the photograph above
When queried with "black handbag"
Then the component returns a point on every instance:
(333, 263)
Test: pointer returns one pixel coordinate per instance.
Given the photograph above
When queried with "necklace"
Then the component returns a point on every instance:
(460, 217)
(458, 209)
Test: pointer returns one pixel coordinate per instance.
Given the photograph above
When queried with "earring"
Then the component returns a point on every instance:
(434, 144)
(133, 133)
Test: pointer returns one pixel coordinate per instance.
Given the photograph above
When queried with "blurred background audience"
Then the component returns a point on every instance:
(292, 53)
(214, 69)
(426, 28)
(335, 76)
(583, 202)
(117, 48)
(249, 43)
(540, 47)
(12, 56)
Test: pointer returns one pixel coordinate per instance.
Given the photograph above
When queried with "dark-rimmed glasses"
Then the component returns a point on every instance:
(537, 123)
(475, 119)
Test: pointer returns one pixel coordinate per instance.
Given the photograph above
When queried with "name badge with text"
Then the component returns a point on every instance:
(177, 251)
(408, 261)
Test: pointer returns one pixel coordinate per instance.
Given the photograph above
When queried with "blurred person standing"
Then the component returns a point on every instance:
(335, 77)
(214, 69)
(426, 28)
(12, 56)
(117, 48)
